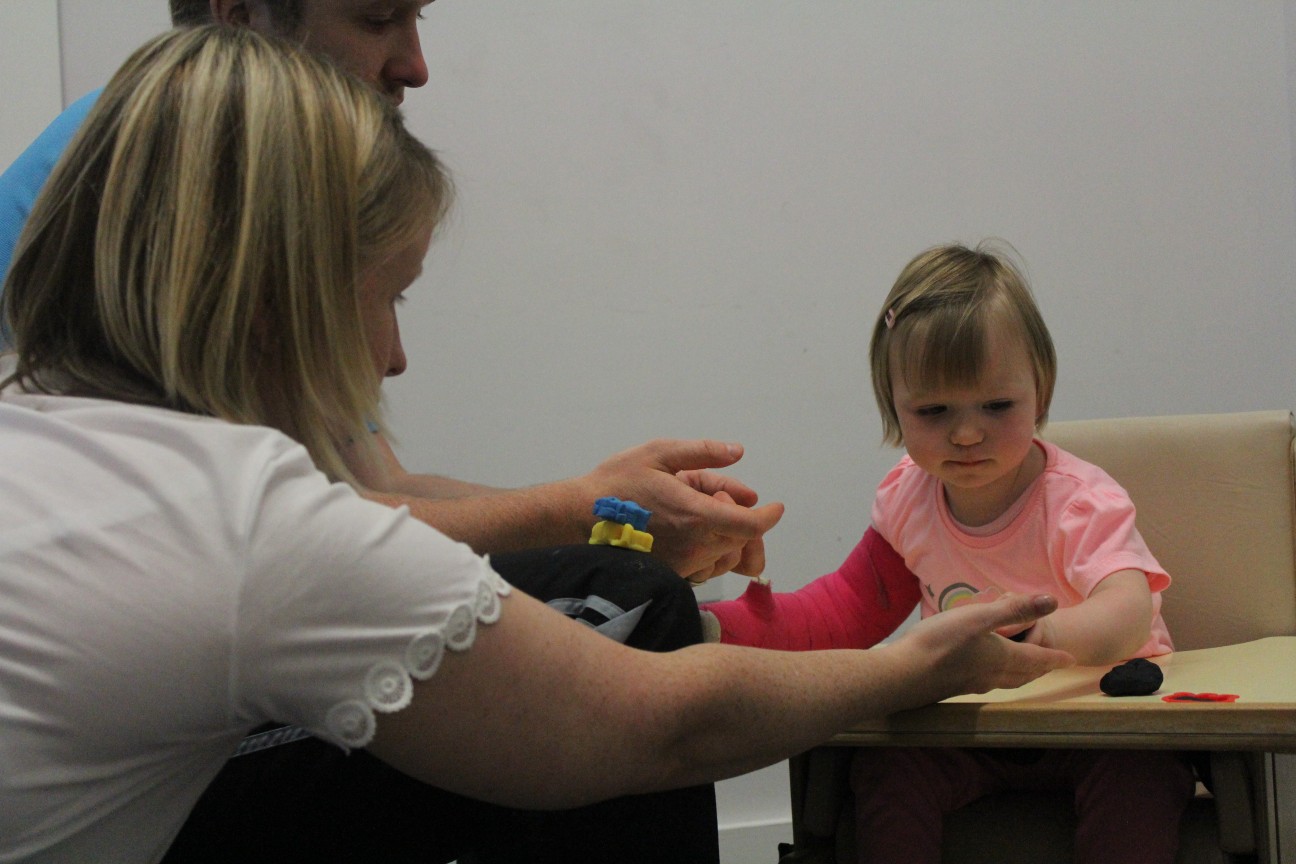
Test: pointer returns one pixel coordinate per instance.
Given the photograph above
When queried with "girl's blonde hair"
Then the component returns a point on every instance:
(201, 244)
(937, 320)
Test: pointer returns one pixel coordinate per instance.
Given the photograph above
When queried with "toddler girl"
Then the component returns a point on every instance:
(963, 371)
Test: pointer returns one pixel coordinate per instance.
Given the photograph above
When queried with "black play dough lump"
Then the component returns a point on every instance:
(1138, 677)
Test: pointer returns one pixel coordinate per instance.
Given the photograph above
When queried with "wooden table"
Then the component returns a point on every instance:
(1066, 709)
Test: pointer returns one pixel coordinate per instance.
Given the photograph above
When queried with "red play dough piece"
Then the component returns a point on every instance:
(1200, 697)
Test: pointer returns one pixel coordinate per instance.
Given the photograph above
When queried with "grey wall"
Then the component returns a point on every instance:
(679, 218)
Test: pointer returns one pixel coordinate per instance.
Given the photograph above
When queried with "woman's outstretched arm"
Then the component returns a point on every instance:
(535, 712)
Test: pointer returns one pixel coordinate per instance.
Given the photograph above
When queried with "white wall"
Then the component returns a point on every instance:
(29, 66)
(679, 218)
(95, 43)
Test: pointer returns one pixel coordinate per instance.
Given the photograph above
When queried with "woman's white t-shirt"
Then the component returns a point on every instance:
(168, 582)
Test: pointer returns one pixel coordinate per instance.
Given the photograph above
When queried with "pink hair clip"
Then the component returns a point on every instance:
(889, 318)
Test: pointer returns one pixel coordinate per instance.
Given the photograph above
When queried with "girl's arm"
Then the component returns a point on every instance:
(856, 606)
(1109, 626)
(530, 714)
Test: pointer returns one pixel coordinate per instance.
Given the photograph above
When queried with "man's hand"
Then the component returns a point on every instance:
(703, 523)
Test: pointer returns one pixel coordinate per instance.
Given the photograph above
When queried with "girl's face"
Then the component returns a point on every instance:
(977, 441)
(383, 287)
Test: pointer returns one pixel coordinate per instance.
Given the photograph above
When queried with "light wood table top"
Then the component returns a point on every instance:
(1066, 709)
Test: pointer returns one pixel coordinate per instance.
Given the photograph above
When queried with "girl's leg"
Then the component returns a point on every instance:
(902, 795)
(1128, 805)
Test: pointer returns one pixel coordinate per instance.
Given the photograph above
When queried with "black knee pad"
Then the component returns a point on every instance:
(593, 583)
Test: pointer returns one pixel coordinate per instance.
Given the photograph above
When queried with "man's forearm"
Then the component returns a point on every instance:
(703, 524)
(487, 518)
(438, 487)
(502, 520)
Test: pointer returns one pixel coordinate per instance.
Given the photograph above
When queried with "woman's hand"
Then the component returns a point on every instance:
(968, 652)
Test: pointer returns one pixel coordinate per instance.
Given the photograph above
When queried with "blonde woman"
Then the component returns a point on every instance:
(178, 563)
(705, 523)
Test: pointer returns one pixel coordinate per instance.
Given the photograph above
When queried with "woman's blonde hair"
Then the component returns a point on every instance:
(201, 244)
(937, 320)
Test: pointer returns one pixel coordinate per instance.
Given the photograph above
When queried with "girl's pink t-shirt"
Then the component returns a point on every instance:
(1073, 527)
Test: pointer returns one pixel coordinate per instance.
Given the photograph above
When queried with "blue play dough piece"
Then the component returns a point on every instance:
(613, 509)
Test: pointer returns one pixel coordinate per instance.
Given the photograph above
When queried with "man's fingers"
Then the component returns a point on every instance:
(768, 515)
(752, 562)
(712, 483)
(676, 455)
(743, 523)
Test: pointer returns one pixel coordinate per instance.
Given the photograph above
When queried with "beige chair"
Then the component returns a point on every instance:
(1215, 498)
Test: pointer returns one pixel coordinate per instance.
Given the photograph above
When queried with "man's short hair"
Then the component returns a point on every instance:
(286, 14)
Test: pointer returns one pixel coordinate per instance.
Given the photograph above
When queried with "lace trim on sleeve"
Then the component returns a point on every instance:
(389, 684)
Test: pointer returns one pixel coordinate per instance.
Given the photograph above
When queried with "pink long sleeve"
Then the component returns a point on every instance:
(856, 606)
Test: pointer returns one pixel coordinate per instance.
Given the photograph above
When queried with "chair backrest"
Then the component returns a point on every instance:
(1216, 501)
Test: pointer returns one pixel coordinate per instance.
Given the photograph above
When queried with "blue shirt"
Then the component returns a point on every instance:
(22, 181)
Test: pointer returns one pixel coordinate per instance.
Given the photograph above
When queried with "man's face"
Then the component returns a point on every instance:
(378, 40)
